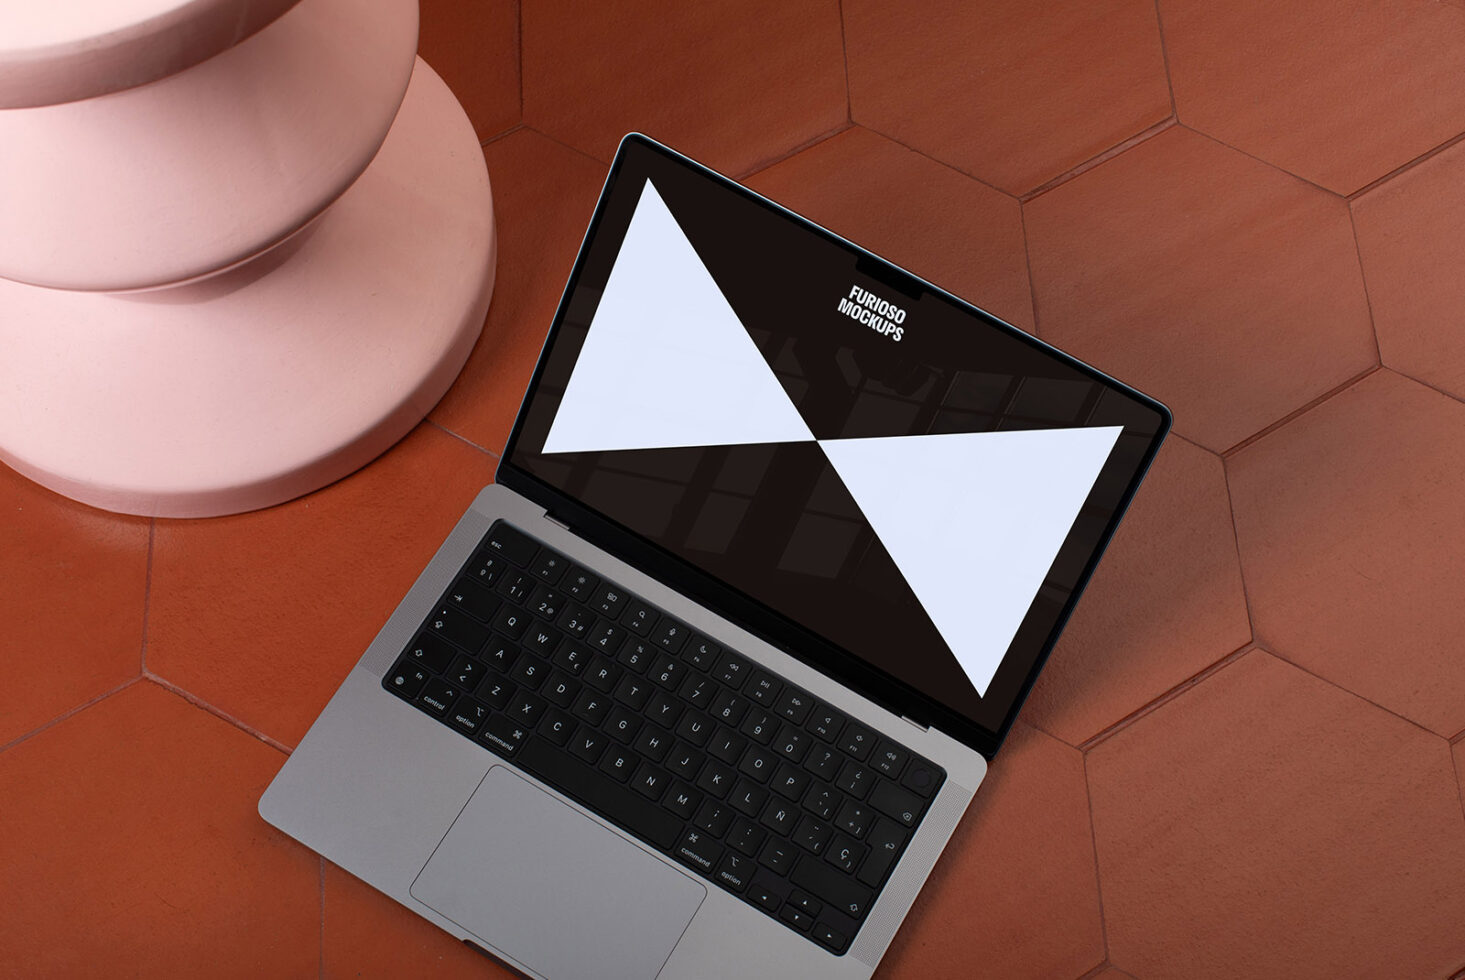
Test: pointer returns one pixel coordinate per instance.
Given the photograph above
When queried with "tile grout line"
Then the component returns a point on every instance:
(495, 137)
(1165, 60)
(1373, 326)
(1265, 163)
(942, 163)
(73, 711)
(1236, 544)
(1088, 794)
(1163, 699)
(1405, 167)
(519, 37)
(1459, 779)
(1027, 257)
(1098, 160)
(442, 428)
(147, 597)
(1096, 970)
(1426, 384)
(808, 144)
(1296, 413)
(849, 102)
(572, 149)
(203, 705)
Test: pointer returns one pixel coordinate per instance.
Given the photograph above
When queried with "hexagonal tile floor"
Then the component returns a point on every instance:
(1246, 756)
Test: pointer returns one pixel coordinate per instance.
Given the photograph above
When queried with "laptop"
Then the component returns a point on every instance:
(702, 685)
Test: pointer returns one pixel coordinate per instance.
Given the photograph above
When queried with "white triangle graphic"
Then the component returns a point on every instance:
(973, 521)
(666, 361)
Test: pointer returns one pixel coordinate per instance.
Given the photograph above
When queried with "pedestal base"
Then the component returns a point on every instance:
(279, 376)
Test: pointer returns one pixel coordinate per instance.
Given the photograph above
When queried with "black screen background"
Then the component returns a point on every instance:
(775, 522)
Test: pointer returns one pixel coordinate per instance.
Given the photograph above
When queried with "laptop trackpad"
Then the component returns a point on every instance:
(554, 890)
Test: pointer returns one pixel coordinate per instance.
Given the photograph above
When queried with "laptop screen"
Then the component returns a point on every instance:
(920, 486)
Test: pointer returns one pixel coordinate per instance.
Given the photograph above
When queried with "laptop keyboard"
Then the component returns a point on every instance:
(747, 780)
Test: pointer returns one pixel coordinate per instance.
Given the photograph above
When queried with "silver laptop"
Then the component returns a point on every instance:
(702, 685)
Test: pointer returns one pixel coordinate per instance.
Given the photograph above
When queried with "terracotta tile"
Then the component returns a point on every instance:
(936, 222)
(366, 934)
(1459, 750)
(261, 615)
(1015, 893)
(1165, 602)
(1268, 824)
(734, 84)
(72, 588)
(1219, 285)
(1412, 252)
(1014, 93)
(544, 195)
(130, 844)
(1349, 524)
(1109, 973)
(474, 46)
(1339, 95)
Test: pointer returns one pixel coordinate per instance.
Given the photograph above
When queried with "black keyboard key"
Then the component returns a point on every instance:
(805, 902)
(824, 762)
(695, 728)
(821, 801)
(504, 734)
(669, 634)
(699, 851)
(602, 674)
(600, 793)
(780, 816)
(511, 543)
(499, 654)
(437, 696)
(573, 657)
(511, 622)
(515, 587)
(764, 688)
(716, 779)
(606, 637)
(431, 652)
(855, 779)
(699, 690)
(608, 600)
(653, 743)
(714, 817)
(921, 778)
(794, 705)
(759, 726)
(895, 802)
(790, 782)
(857, 740)
(580, 584)
(778, 856)
(682, 800)
(466, 673)
(745, 837)
(622, 725)
(561, 690)
(469, 715)
(496, 691)
(701, 652)
(529, 672)
(485, 567)
(546, 603)
(662, 709)
(638, 617)
(457, 626)
(734, 872)
(591, 707)
(557, 726)
(845, 854)
(549, 567)
(633, 691)
(684, 760)
(473, 599)
(792, 743)
(618, 763)
(524, 708)
(729, 708)
(748, 797)
(668, 672)
(576, 620)
(885, 841)
(825, 722)
(541, 640)
(799, 920)
(758, 763)
(588, 744)
(651, 782)
(829, 936)
(832, 887)
(812, 835)
(406, 681)
(854, 818)
(733, 671)
(638, 655)
(726, 746)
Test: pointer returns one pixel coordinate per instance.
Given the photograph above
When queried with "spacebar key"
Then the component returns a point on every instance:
(600, 793)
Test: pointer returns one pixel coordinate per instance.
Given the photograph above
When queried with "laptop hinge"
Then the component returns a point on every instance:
(915, 724)
(555, 521)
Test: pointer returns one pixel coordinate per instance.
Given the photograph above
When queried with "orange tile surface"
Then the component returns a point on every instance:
(1338, 94)
(1408, 239)
(1268, 824)
(1171, 803)
(1015, 93)
(1226, 289)
(1376, 610)
(136, 849)
(965, 238)
(734, 84)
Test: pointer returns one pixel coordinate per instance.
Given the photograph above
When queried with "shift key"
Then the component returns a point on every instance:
(833, 886)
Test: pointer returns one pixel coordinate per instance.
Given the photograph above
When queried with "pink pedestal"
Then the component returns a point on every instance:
(332, 332)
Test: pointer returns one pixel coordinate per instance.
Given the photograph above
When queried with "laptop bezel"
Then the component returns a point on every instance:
(886, 690)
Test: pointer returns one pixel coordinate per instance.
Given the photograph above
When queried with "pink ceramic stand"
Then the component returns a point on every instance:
(286, 373)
